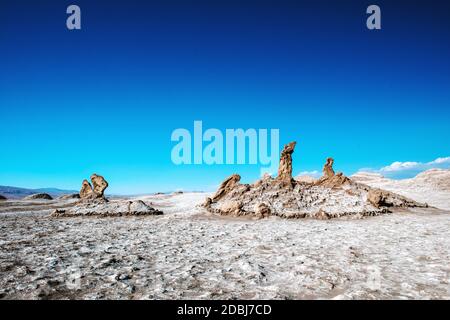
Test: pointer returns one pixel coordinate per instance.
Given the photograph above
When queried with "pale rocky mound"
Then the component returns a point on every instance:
(431, 186)
(39, 196)
(2, 198)
(108, 208)
(69, 196)
(333, 195)
(94, 203)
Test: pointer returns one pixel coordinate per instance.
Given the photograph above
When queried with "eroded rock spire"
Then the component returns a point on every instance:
(285, 167)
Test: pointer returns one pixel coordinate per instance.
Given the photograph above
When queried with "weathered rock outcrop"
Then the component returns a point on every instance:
(99, 207)
(262, 210)
(226, 186)
(382, 198)
(2, 198)
(93, 202)
(69, 196)
(39, 196)
(86, 191)
(96, 190)
(431, 186)
(99, 185)
(285, 166)
(327, 170)
(331, 179)
(332, 196)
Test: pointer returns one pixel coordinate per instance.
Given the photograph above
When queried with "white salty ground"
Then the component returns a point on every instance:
(189, 254)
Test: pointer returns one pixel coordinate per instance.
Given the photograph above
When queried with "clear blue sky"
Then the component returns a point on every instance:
(106, 98)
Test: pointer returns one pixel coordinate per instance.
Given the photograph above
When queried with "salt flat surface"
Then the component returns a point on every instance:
(189, 254)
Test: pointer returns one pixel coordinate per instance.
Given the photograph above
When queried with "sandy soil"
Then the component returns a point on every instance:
(189, 254)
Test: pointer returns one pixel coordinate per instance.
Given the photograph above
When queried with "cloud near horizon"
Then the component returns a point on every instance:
(397, 169)
(409, 169)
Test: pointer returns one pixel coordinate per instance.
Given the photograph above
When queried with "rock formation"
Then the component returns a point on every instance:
(226, 186)
(69, 196)
(332, 196)
(110, 208)
(96, 190)
(99, 185)
(93, 202)
(285, 167)
(327, 170)
(262, 210)
(86, 191)
(39, 196)
(431, 186)
(331, 179)
(2, 198)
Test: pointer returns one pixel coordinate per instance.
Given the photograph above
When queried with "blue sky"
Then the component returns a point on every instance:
(106, 98)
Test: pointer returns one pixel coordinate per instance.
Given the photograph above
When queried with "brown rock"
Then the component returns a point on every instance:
(322, 215)
(285, 167)
(262, 210)
(330, 179)
(327, 170)
(99, 185)
(231, 208)
(226, 186)
(379, 198)
(69, 196)
(207, 203)
(86, 190)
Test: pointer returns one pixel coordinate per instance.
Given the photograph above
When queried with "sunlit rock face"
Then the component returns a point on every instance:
(333, 195)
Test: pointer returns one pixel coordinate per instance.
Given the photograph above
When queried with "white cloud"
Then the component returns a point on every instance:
(400, 169)
(443, 163)
(399, 166)
(445, 160)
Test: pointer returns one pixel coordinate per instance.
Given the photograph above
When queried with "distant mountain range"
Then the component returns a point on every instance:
(18, 193)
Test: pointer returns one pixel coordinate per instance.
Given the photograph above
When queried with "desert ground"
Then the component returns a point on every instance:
(188, 253)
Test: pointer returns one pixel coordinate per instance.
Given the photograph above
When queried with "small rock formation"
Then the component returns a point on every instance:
(231, 207)
(332, 196)
(376, 197)
(327, 170)
(99, 185)
(431, 186)
(2, 198)
(382, 198)
(226, 186)
(331, 179)
(110, 208)
(93, 202)
(262, 210)
(69, 196)
(94, 191)
(39, 196)
(322, 215)
(285, 167)
(86, 191)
